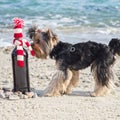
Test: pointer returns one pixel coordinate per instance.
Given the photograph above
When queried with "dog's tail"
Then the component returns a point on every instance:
(114, 45)
(102, 74)
(101, 67)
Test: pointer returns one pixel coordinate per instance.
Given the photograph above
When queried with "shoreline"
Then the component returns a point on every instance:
(70, 35)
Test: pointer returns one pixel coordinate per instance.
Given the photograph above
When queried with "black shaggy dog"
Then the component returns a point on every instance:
(79, 56)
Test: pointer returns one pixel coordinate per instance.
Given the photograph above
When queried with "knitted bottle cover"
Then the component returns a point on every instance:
(20, 42)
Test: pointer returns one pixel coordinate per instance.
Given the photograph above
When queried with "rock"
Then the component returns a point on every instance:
(25, 96)
(29, 94)
(7, 89)
(14, 97)
(18, 93)
(7, 50)
(7, 94)
(117, 84)
(1, 91)
(35, 95)
(22, 96)
(2, 95)
(5, 81)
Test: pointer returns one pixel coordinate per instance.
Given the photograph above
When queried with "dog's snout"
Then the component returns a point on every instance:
(32, 44)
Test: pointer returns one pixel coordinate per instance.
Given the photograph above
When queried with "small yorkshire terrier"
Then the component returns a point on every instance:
(79, 56)
(72, 58)
(43, 44)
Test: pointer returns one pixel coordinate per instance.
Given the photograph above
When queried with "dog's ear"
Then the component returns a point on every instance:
(52, 36)
(49, 33)
(39, 31)
(31, 31)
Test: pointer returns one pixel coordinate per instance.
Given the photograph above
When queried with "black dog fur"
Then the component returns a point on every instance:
(81, 55)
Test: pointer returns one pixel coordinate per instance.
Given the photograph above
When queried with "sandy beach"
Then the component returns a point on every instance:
(76, 106)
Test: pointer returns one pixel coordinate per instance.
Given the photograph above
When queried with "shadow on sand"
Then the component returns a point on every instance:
(40, 93)
(80, 93)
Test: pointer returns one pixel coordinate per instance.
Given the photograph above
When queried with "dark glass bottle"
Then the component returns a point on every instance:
(20, 74)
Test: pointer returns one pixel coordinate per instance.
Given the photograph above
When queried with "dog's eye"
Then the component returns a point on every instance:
(37, 41)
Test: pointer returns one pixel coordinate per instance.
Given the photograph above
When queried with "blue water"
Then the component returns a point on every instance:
(73, 20)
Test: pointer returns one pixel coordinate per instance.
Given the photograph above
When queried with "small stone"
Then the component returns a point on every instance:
(2, 95)
(30, 94)
(14, 97)
(7, 50)
(35, 95)
(1, 91)
(5, 81)
(7, 94)
(21, 96)
(25, 96)
(117, 84)
(18, 93)
(7, 89)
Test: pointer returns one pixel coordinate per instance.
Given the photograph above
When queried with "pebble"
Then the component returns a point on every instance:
(7, 89)
(29, 94)
(25, 97)
(117, 84)
(7, 93)
(14, 97)
(18, 93)
(21, 96)
(1, 91)
(35, 95)
(2, 95)
(7, 50)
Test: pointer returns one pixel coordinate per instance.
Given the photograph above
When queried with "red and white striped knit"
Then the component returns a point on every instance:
(19, 42)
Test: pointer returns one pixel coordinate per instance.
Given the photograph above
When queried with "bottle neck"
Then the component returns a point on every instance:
(14, 52)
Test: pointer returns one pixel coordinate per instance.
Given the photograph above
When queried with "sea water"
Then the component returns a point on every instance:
(72, 20)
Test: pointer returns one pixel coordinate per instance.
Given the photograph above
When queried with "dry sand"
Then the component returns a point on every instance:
(76, 106)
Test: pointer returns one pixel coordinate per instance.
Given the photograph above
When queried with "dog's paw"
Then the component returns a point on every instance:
(47, 95)
(97, 94)
(92, 94)
(68, 91)
(51, 95)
